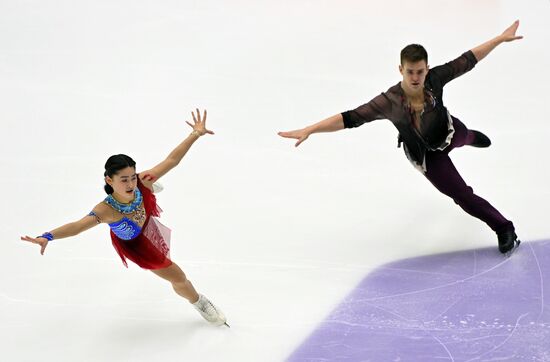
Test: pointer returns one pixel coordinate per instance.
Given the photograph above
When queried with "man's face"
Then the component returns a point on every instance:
(414, 74)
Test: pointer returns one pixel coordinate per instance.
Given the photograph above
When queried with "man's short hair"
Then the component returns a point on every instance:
(413, 53)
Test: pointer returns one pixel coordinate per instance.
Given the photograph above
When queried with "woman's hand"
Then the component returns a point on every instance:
(300, 134)
(147, 179)
(510, 33)
(43, 242)
(199, 124)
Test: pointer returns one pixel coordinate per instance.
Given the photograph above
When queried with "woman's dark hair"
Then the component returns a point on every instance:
(413, 53)
(114, 164)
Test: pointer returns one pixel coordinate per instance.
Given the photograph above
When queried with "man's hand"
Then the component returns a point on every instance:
(507, 35)
(510, 33)
(300, 134)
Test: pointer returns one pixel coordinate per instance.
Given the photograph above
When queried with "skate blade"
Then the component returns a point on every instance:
(511, 251)
(225, 324)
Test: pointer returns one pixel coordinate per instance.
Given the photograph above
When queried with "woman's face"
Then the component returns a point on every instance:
(124, 183)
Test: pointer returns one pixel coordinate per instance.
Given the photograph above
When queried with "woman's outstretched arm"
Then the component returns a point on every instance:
(175, 157)
(65, 231)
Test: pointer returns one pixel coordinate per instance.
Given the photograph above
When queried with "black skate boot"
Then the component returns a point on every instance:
(480, 140)
(507, 242)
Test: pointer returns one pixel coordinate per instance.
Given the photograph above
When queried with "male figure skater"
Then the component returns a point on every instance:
(427, 130)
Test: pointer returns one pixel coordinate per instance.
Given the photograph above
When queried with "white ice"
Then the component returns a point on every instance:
(275, 236)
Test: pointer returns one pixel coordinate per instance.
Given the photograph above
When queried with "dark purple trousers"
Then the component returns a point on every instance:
(443, 175)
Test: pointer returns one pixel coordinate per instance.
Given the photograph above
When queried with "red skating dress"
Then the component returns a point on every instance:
(148, 246)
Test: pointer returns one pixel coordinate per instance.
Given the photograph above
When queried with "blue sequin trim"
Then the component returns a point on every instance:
(125, 229)
(125, 208)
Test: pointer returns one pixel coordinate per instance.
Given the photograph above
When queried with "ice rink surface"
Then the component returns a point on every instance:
(280, 238)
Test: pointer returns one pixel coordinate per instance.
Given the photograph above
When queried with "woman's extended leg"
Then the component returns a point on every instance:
(183, 287)
(179, 281)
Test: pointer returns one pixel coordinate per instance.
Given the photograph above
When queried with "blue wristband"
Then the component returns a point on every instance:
(47, 236)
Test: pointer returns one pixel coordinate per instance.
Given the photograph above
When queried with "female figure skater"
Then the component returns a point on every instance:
(427, 130)
(130, 210)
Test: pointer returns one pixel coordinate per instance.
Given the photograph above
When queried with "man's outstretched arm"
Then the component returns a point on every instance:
(331, 124)
(507, 35)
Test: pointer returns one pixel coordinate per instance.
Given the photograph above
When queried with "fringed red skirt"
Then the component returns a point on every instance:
(151, 248)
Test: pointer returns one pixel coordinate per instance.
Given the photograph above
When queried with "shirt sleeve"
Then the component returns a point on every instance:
(377, 108)
(455, 68)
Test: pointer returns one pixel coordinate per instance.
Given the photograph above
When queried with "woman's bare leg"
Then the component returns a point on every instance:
(179, 281)
(183, 287)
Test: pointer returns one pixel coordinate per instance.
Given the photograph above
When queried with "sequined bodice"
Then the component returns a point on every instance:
(125, 228)
(129, 226)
